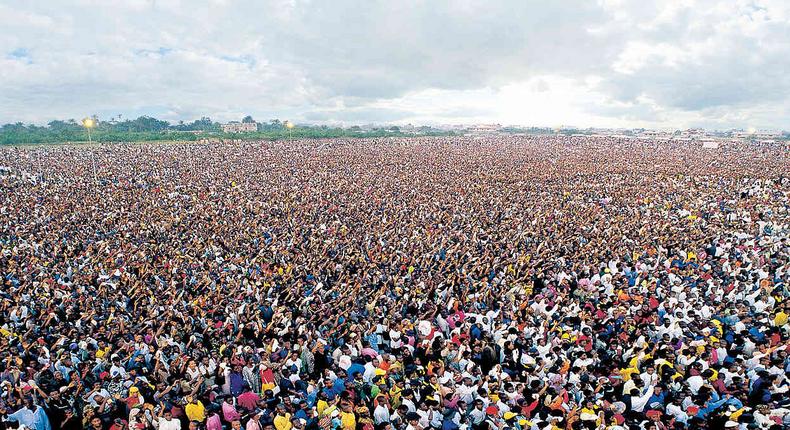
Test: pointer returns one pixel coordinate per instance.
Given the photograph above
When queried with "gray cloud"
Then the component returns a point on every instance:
(359, 115)
(650, 62)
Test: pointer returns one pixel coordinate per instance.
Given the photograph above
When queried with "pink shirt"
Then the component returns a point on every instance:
(213, 423)
(229, 412)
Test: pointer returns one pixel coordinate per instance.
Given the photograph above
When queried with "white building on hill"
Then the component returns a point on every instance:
(239, 127)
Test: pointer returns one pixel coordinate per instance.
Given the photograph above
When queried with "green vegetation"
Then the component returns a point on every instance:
(146, 128)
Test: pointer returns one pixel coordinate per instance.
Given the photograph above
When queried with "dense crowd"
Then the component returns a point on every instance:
(526, 283)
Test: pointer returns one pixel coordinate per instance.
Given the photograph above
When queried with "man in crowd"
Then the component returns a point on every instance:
(532, 282)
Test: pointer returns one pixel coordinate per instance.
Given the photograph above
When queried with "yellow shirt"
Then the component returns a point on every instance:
(780, 319)
(591, 412)
(395, 396)
(100, 353)
(348, 420)
(196, 411)
(283, 422)
(626, 373)
(321, 406)
(637, 360)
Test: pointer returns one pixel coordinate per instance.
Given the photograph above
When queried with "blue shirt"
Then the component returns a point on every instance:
(656, 399)
(35, 420)
(236, 383)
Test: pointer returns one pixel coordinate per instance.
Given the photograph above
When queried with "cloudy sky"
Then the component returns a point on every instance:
(604, 63)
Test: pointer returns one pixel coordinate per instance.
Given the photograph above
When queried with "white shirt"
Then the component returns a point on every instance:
(425, 418)
(477, 415)
(173, 424)
(370, 372)
(118, 370)
(678, 413)
(467, 394)
(381, 414)
(395, 341)
(638, 403)
(695, 383)
(409, 405)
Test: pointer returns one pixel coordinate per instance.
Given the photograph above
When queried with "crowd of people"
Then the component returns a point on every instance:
(447, 283)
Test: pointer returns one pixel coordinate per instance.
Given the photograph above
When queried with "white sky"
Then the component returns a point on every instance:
(605, 63)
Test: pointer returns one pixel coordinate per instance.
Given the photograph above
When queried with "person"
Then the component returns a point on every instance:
(248, 400)
(30, 416)
(282, 420)
(96, 424)
(195, 411)
(413, 421)
(229, 412)
(254, 423)
(165, 420)
(381, 414)
(70, 421)
(574, 281)
(119, 424)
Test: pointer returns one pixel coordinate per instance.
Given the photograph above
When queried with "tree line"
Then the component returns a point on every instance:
(147, 128)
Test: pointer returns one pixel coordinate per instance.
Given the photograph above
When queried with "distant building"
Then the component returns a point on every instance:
(757, 135)
(483, 130)
(654, 134)
(239, 127)
(691, 133)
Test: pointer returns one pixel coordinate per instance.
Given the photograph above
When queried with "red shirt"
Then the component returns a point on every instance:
(249, 400)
